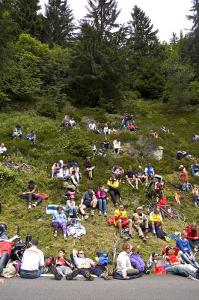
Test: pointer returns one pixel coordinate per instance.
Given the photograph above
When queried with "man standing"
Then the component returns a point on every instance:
(32, 261)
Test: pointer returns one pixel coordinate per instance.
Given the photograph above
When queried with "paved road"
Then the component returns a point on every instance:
(149, 287)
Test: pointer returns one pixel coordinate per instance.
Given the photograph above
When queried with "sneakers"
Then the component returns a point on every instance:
(34, 205)
(55, 234)
(65, 237)
(105, 276)
(54, 271)
(92, 212)
(29, 206)
(192, 278)
(197, 274)
(86, 217)
(105, 214)
(100, 213)
(88, 276)
(72, 275)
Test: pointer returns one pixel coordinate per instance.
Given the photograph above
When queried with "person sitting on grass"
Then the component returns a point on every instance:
(185, 250)
(31, 195)
(87, 267)
(155, 221)
(113, 185)
(132, 179)
(17, 132)
(6, 245)
(75, 175)
(193, 236)
(89, 168)
(101, 195)
(62, 266)
(32, 261)
(175, 266)
(70, 203)
(118, 172)
(136, 258)
(92, 126)
(31, 137)
(149, 171)
(122, 221)
(88, 200)
(195, 193)
(3, 150)
(59, 220)
(116, 146)
(140, 222)
(124, 267)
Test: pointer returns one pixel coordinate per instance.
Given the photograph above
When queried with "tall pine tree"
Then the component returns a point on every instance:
(26, 15)
(145, 56)
(59, 22)
(98, 68)
(193, 40)
(102, 15)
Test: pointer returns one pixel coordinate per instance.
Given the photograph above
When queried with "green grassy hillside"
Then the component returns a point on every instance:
(54, 144)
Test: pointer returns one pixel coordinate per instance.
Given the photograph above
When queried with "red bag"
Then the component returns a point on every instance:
(43, 196)
(5, 247)
(111, 221)
(159, 270)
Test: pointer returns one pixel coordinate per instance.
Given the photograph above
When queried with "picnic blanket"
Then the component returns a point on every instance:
(75, 229)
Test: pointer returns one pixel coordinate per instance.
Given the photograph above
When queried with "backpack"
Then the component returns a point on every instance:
(102, 258)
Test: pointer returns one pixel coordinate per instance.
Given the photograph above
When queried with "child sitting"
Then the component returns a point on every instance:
(70, 203)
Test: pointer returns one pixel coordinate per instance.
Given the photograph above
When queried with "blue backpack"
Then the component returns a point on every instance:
(103, 258)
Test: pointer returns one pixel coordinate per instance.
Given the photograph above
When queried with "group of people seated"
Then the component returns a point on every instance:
(29, 261)
(66, 171)
(140, 221)
(68, 122)
(17, 133)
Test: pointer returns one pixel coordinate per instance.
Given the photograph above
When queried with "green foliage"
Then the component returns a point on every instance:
(79, 145)
(59, 22)
(54, 144)
(25, 14)
(194, 90)
(145, 56)
(179, 76)
(7, 176)
(47, 107)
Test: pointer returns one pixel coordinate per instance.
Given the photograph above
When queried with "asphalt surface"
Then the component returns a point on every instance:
(148, 287)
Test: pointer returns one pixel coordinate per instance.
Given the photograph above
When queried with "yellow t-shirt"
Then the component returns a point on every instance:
(114, 184)
(155, 218)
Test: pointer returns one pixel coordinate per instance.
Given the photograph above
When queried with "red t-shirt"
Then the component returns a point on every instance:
(60, 261)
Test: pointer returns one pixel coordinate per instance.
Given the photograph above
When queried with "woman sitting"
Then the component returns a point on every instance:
(124, 268)
(101, 195)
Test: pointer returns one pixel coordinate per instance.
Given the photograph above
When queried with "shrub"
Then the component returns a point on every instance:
(7, 175)
(47, 107)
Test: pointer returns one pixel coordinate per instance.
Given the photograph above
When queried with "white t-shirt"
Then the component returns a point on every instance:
(33, 258)
(3, 149)
(123, 263)
(116, 144)
(92, 126)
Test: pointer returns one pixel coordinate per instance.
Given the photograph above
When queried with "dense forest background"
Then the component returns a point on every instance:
(48, 61)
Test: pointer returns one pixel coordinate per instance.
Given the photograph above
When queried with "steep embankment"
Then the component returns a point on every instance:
(54, 144)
